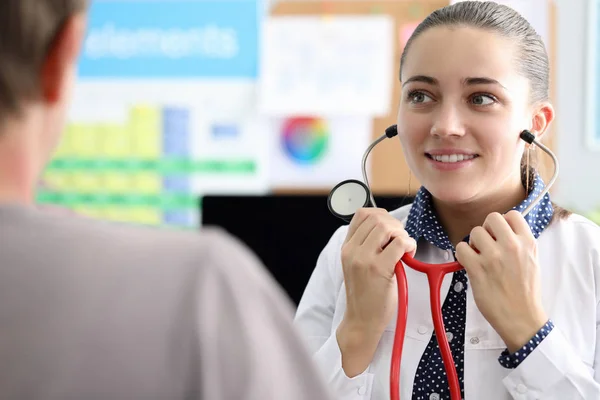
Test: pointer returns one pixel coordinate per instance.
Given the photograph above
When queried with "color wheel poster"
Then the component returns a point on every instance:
(317, 152)
(163, 112)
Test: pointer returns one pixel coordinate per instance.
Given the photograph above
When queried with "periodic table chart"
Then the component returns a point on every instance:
(162, 113)
(122, 172)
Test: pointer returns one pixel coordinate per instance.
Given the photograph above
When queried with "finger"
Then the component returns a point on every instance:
(364, 230)
(497, 226)
(384, 232)
(517, 223)
(481, 240)
(412, 249)
(468, 258)
(358, 221)
(397, 248)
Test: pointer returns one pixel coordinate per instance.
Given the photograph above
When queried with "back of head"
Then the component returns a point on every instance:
(27, 31)
(40, 42)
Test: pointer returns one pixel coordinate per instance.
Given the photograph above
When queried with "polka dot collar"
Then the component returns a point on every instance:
(423, 221)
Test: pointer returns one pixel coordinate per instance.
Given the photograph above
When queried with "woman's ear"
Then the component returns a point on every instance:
(542, 116)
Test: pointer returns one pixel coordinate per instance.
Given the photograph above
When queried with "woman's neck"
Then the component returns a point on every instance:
(459, 219)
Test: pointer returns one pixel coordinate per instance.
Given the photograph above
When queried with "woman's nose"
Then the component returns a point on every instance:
(448, 122)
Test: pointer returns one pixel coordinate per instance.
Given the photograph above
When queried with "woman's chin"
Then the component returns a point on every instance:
(452, 193)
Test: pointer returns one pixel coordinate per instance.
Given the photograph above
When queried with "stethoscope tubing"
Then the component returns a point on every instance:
(435, 276)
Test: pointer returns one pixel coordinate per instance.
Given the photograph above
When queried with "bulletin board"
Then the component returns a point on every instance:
(390, 174)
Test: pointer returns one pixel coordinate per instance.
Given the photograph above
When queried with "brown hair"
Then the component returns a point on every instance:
(27, 29)
(532, 59)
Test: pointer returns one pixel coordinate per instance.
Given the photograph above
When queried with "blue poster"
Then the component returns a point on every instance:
(172, 39)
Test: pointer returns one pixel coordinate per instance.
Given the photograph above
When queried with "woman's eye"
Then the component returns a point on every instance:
(418, 97)
(482, 100)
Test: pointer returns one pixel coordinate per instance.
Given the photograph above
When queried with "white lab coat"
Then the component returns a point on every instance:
(565, 366)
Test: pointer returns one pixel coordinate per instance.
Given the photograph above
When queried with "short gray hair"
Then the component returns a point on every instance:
(27, 29)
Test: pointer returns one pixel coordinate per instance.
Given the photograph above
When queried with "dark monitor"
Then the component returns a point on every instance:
(287, 232)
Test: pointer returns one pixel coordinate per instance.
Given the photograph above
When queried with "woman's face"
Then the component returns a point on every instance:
(462, 109)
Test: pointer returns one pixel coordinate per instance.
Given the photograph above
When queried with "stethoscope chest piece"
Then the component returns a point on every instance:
(347, 197)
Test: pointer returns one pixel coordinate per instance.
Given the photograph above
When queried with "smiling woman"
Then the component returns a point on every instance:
(463, 95)
(474, 76)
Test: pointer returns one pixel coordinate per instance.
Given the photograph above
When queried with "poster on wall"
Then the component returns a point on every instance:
(592, 78)
(339, 65)
(163, 112)
(316, 152)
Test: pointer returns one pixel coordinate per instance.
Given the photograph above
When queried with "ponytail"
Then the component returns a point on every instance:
(528, 174)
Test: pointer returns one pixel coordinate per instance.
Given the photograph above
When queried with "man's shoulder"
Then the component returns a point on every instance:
(76, 236)
(116, 235)
(209, 246)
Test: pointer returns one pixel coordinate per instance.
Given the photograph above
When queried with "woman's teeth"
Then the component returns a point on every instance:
(452, 158)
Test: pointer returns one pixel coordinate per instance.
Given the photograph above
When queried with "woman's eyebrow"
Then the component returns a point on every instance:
(479, 80)
(421, 78)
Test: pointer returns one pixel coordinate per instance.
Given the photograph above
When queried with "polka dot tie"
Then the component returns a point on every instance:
(430, 381)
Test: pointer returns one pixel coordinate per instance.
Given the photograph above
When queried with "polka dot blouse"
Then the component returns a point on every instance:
(430, 380)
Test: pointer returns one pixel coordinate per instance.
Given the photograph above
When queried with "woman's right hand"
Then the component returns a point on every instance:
(374, 244)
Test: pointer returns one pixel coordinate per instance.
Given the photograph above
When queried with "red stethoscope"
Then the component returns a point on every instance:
(350, 195)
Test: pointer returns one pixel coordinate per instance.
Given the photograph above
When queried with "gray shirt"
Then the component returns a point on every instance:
(95, 310)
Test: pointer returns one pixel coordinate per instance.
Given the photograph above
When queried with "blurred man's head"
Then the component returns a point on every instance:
(39, 46)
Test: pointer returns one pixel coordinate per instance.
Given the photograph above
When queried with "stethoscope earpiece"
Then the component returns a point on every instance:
(347, 197)
(527, 136)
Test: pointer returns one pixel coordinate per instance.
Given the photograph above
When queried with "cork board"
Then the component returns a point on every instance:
(390, 174)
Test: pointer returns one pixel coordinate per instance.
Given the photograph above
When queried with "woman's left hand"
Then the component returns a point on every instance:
(502, 266)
